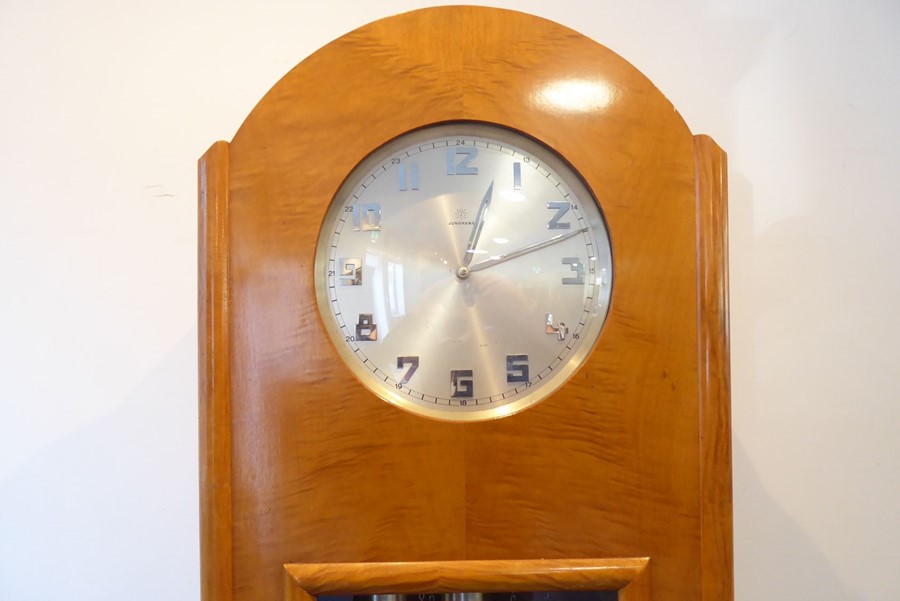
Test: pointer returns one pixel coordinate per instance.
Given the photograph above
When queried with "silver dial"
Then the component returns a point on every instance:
(463, 271)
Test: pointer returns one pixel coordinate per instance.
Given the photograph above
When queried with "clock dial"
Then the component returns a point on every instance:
(463, 271)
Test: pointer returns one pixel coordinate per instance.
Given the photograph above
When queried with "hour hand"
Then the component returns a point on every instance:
(479, 225)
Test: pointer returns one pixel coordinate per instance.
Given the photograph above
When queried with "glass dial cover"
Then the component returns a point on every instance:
(463, 271)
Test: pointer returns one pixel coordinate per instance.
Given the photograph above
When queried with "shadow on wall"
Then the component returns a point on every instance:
(110, 511)
(774, 557)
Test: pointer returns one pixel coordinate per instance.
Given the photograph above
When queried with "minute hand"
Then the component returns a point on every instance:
(525, 250)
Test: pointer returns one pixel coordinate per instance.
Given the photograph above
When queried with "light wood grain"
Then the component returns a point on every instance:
(717, 559)
(215, 385)
(626, 460)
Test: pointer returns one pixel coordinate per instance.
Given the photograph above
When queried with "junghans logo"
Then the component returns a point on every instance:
(462, 218)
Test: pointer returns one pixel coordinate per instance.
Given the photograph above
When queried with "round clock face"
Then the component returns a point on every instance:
(463, 271)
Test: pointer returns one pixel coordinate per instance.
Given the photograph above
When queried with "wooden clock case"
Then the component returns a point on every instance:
(621, 480)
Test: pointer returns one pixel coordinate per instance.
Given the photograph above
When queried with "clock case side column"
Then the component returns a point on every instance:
(716, 522)
(215, 379)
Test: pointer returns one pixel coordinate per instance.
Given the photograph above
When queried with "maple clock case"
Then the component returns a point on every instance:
(316, 480)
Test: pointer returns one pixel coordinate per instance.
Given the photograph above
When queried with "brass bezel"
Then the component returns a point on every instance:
(591, 333)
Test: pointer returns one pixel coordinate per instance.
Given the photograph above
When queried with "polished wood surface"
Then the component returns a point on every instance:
(215, 372)
(426, 577)
(630, 458)
(716, 559)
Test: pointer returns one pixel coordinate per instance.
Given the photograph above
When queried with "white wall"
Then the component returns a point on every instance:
(105, 107)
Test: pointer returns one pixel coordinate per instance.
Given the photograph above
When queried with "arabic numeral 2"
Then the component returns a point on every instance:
(458, 159)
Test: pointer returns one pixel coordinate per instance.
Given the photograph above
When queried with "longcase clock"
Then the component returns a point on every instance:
(463, 300)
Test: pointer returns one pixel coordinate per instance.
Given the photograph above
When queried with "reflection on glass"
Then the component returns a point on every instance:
(395, 289)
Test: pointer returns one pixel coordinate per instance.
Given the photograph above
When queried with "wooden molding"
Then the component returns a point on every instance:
(426, 577)
(215, 377)
(715, 381)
